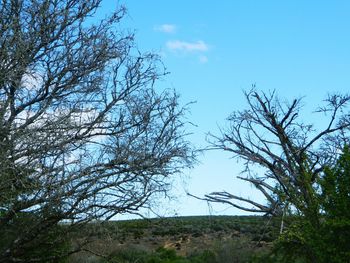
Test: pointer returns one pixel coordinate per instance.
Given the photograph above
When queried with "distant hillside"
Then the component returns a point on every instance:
(232, 237)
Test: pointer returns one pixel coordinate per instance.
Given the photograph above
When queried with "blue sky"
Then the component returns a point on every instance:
(216, 49)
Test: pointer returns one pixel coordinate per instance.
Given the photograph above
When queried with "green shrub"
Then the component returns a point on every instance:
(325, 236)
(161, 255)
(51, 246)
(132, 255)
(206, 256)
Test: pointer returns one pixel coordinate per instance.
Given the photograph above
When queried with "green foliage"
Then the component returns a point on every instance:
(161, 255)
(325, 236)
(237, 250)
(206, 256)
(166, 256)
(297, 243)
(336, 188)
(335, 201)
(51, 246)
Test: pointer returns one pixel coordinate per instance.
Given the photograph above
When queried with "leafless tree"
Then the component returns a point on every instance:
(83, 133)
(283, 156)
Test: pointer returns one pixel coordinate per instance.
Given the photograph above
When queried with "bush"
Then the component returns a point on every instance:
(161, 255)
(206, 256)
(325, 236)
(52, 246)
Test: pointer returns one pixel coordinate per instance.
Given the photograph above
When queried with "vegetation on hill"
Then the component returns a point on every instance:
(180, 239)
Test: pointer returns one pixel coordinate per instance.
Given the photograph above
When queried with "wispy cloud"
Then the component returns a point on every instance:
(203, 59)
(178, 45)
(166, 28)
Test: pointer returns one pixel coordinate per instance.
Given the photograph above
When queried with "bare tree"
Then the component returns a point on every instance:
(283, 157)
(83, 133)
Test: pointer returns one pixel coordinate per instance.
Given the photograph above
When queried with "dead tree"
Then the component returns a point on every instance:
(283, 156)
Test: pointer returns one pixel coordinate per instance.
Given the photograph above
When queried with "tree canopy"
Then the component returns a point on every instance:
(84, 134)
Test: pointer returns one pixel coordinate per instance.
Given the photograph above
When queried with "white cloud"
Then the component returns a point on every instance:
(203, 59)
(166, 28)
(32, 81)
(187, 46)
